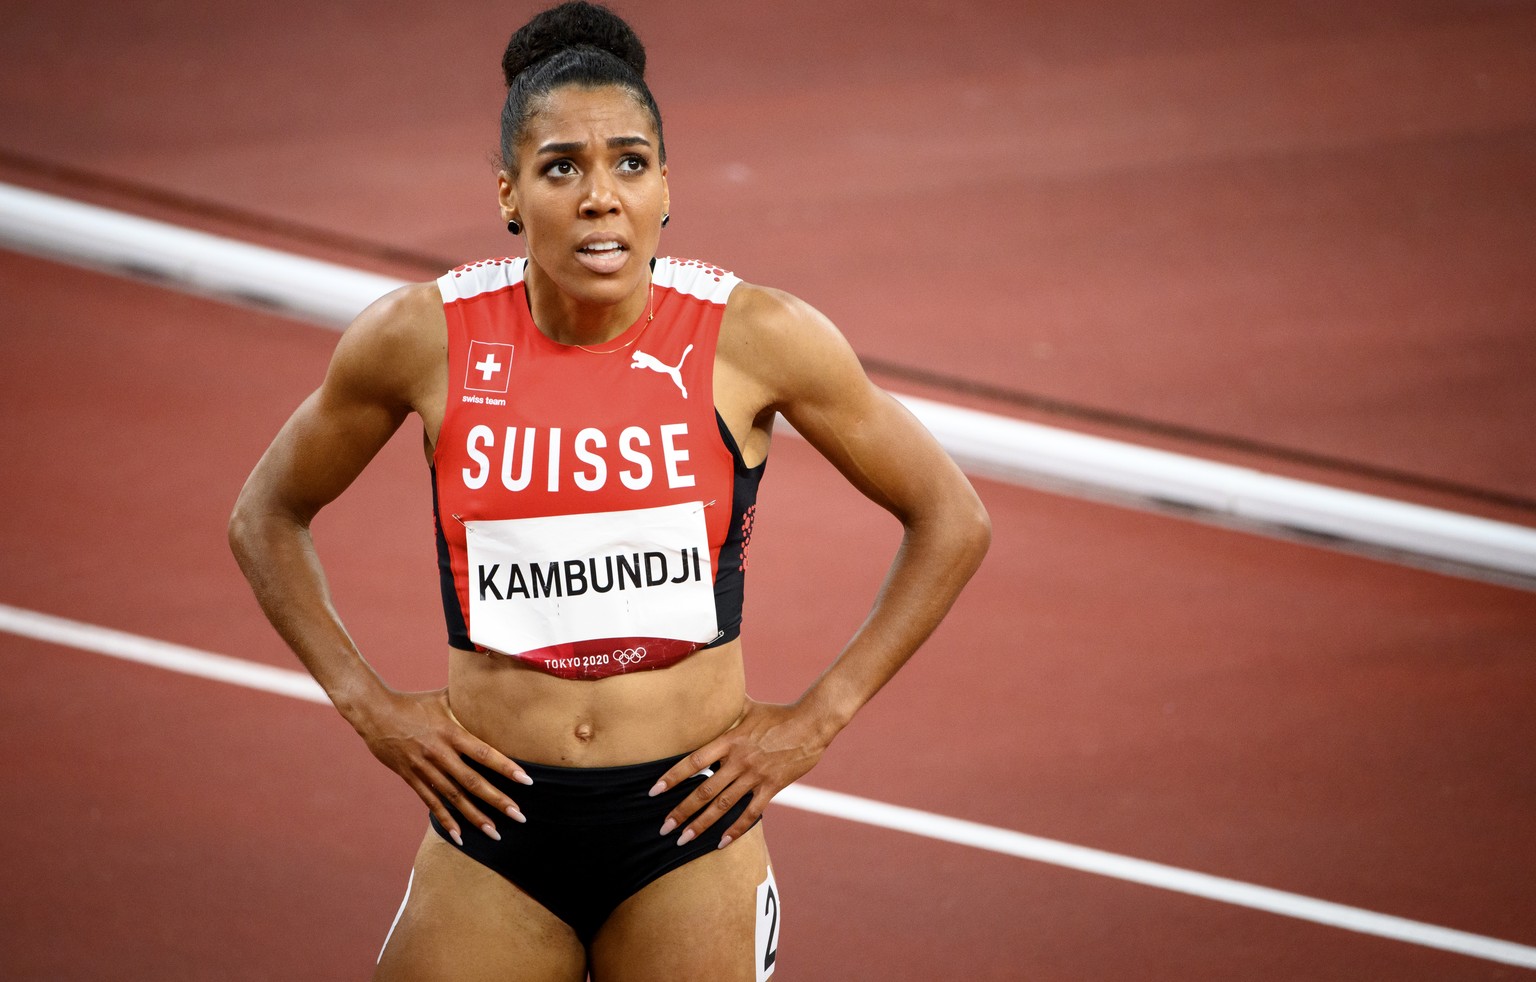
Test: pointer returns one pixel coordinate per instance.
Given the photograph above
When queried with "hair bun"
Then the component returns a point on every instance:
(567, 26)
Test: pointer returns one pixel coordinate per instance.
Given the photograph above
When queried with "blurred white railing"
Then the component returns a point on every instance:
(983, 443)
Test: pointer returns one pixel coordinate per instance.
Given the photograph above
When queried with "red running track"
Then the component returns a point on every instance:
(1265, 711)
(1260, 710)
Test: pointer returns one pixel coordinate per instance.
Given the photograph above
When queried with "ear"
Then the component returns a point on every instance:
(506, 195)
(666, 193)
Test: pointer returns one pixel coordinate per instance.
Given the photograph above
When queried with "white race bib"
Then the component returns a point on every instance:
(643, 573)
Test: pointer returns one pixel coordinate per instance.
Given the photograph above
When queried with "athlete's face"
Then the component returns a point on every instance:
(590, 191)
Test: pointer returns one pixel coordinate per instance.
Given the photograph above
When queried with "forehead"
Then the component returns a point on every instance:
(578, 113)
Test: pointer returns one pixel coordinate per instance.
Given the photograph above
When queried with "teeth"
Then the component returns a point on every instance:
(601, 247)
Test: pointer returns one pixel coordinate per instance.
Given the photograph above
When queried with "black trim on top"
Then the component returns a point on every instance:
(453, 614)
(731, 571)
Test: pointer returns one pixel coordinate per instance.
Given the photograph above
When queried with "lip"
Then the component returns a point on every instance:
(592, 237)
(607, 262)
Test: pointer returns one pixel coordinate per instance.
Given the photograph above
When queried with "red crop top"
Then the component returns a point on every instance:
(592, 510)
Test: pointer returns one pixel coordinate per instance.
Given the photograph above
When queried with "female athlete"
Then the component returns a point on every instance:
(596, 421)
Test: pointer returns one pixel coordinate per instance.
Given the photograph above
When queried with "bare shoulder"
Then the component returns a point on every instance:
(394, 351)
(786, 346)
(809, 373)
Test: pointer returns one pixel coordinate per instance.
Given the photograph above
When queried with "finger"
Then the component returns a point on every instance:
(700, 797)
(489, 757)
(689, 766)
(437, 808)
(476, 784)
(714, 811)
(747, 819)
(452, 793)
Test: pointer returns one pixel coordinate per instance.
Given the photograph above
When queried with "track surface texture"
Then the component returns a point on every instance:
(1298, 237)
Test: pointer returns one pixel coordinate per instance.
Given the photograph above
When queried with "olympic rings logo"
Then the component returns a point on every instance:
(629, 656)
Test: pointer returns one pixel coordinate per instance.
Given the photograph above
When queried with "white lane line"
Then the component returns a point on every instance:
(191, 661)
(983, 443)
(1147, 873)
(160, 654)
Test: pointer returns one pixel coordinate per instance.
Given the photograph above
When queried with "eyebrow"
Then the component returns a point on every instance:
(614, 143)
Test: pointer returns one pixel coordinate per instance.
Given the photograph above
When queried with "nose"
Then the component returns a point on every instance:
(601, 198)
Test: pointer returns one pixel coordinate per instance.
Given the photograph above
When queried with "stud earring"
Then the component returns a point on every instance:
(665, 219)
(514, 226)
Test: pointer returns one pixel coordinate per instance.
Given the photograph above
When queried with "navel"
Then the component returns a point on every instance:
(584, 732)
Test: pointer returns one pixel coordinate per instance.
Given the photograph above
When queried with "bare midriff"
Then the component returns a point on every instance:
(626, 719)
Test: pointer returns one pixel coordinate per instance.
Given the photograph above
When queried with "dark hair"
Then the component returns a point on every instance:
(576, 43)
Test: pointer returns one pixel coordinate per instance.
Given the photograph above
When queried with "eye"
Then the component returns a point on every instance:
(632, 164)
(559, 168)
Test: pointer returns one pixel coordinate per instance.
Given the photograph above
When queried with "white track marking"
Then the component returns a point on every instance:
(984, 443)
(177, 658)
(161, 654)
(1151, 874)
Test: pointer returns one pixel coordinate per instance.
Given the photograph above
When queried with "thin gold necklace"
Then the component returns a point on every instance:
(650, 305)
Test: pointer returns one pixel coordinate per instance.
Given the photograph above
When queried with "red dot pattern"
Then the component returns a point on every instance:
(709, 268)
(747, 519)
(503, 261)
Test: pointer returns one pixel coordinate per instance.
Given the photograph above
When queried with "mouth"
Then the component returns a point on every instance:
(602, 254)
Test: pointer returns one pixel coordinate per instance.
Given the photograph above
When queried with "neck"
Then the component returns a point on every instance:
(565, 319)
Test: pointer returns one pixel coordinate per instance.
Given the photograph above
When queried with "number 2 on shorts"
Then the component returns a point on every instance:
(767, 946)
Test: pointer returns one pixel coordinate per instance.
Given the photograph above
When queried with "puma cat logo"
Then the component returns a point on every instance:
(643, 360)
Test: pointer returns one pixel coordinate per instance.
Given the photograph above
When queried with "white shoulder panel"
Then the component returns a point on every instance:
(485, 276)
(697, 279)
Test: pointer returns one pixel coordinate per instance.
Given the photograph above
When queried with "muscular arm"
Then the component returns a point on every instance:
(795, 362)
(386, 365)
(318, 453)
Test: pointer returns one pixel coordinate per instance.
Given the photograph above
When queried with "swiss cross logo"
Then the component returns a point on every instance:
(490, 367)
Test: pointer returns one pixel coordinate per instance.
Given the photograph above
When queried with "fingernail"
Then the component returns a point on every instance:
(523, 778)
(725, 840)
(658, 788)
(668, 826)
(685, 838)
(515, 815)
(490, 830)
(457, 839)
